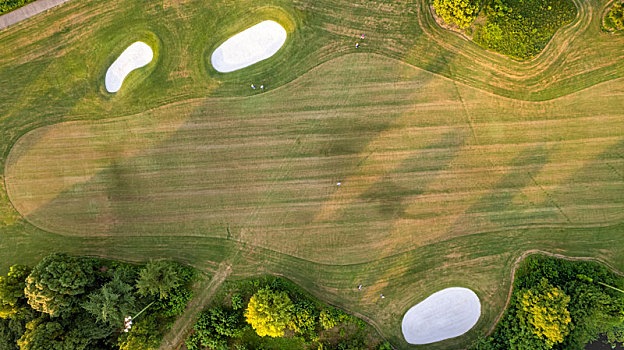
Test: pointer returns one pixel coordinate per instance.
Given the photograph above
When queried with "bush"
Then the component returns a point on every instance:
(158, 278)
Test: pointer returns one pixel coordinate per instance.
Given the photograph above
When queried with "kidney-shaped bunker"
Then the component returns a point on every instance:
(445, 314)
(135, 56)
(250, 46)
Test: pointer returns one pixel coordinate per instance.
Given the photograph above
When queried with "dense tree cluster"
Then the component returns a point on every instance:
(274, 312)
(560, 304)
(460, 13)
(74, 303)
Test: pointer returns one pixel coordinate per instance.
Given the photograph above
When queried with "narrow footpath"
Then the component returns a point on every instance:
(202, 294)
(28, 11)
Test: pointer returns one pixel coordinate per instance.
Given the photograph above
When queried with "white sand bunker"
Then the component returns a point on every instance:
(445, 314)
(250, 46)
(135, 56)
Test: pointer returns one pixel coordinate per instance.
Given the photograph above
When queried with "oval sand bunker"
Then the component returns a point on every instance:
(250, 46)
(445, 314)
(135, 56)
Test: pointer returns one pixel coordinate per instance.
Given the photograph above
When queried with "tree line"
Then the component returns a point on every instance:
(74, 303)
(560, 304)
(273, 313)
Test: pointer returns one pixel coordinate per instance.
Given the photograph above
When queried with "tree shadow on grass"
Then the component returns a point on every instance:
(504, 206)
(390, 198)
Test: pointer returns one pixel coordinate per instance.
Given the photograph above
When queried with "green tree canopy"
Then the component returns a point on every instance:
(12, 290)
(269, 312)
(111, 303)
(460, 13)
(543, 310)
(55, 280)
(158, 278)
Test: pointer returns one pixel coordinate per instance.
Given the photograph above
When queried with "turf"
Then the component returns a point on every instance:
(453, 160)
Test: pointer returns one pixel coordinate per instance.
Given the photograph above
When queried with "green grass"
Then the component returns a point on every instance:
(445, 181)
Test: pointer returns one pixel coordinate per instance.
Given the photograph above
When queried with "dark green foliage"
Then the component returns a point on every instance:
(12, 285)
(10, 5)
(305, 319)
(175, 302)
(12, 328)
(594, 309)
(214, 327)
(111, 303)
(79, 333)
(79, 303)
(55, 280)
(522, 28)
(158, 278)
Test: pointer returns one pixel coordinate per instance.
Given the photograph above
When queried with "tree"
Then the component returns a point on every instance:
(616, 15)
(457, 12)
(269, 312)
(304, 318)
(158, 278)
(12, 290)
(543, 310)
(111, 303)
(213, 328)
(55, 280)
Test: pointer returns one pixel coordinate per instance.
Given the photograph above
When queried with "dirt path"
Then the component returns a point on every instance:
(202, 294)
(537, 251)
(27, 11)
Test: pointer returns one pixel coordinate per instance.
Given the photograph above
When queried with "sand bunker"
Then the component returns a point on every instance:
(135, 56)
(250, 46)
(445, 314)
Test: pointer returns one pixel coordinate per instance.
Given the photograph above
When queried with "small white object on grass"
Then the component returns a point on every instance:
(338, 183)
(382, 296)
(360, 287)
(135, 56)
(357, 45)
(445, 314)
(262, 87)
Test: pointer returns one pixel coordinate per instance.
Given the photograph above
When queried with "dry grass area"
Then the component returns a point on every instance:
(453, 160)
